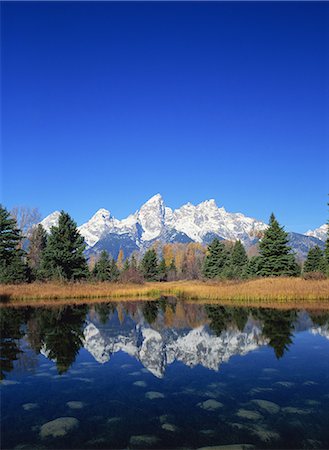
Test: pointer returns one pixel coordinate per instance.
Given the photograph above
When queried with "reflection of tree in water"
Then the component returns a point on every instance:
(222, 317)
(277, 327)
(11, 322)
(61, 334)
(150, 311)
(104, 310)
(320, 318)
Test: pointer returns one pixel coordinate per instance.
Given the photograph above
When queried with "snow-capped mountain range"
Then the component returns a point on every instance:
(189, 223)
(319, 233)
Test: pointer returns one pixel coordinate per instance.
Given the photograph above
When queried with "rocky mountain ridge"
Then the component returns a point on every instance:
(189, 223)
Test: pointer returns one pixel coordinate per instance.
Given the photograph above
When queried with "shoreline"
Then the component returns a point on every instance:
(295, 291)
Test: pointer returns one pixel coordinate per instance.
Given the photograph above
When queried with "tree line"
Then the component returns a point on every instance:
(60, 256)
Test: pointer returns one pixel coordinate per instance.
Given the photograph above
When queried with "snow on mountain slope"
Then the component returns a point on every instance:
(97, 226)
(319, 233)
(154, 220)
(151, 217)
(197, 221)
(50, 221)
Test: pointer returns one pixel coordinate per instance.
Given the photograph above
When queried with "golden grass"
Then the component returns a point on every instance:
(264, 290)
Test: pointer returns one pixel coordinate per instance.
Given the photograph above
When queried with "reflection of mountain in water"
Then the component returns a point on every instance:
(157, 349)
(156, 333)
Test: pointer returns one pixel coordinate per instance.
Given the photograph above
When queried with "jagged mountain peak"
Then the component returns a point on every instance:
(319, 233)
(50, 221)
(198, 223)
(102, 213)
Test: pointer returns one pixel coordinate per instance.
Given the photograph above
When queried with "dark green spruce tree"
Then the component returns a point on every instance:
(13, 268)
(101, 271)
(238, 262)
(63, 257)
(162, 271)
(277, 259)
(149, 265)
(216, 260)
(315, 261)
(326, 251)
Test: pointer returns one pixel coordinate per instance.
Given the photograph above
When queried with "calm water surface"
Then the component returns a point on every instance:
(164, 374)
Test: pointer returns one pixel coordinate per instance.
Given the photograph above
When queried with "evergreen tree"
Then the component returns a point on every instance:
(254, 266)
(37, 244)
(12, 266)
(102, 267)
(216, 260)
(162, 271)
(63, 257)
(149, 265)
(106, 269)
(315, 261)
(275, 252)
(114, 272)
(238, 262)
(326, 251)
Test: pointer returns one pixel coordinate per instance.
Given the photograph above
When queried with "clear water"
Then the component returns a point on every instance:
(164, 374)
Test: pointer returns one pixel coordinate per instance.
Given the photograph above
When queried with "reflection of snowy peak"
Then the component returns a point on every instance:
(155, 350)
(322, 331)
(199, 347)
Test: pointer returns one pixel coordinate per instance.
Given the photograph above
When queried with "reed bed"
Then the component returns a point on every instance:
(263, 290)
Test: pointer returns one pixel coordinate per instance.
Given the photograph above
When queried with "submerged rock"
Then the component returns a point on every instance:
(207, 432)
(265, 405)
(75, 405)
(140, 383)
(58, 427)
(151, 395)
(112, 420)
(248, 414)
(30, 406)
(143, 440)
(169, 427)
(264, 433)
(294, 410)
(210, 405)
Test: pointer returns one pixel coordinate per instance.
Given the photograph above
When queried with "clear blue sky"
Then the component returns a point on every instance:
(105, 104)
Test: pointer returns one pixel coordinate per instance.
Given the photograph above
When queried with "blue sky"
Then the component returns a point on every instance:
(105, 104)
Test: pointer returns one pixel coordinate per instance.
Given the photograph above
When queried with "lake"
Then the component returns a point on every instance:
(164, 374)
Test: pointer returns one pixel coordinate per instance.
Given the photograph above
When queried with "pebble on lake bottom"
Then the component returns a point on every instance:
(151, 395)
(30, 406)
(75, 405)
(58, 427)
(143, 440)
(210, 405)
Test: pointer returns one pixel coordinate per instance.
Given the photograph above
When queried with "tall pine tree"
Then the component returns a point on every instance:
(315, 261)
(12, 264)
(216, 260)
(277, 259)
(149, 265)
(63, 257)
(238, 262)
